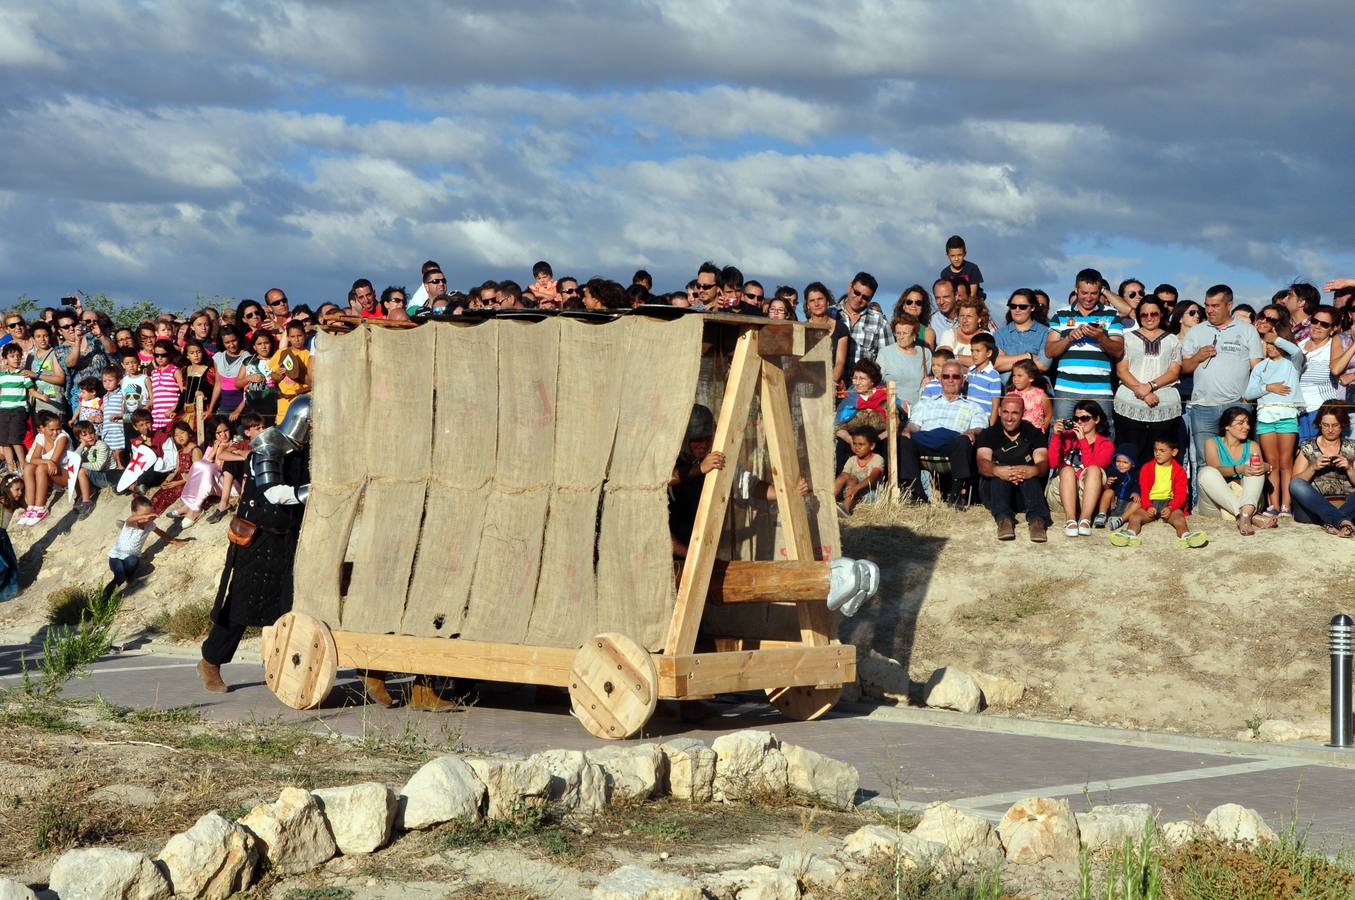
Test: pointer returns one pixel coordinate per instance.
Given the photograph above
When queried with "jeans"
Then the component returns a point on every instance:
(1064, 406)
(1001, 493)
(1204, 424)
(124, 571)
(1305, 495)
(1143, 435)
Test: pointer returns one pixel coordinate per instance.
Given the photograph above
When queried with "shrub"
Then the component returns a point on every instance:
(189, 622)
(67, 605)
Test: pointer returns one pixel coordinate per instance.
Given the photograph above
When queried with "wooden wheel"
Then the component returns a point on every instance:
(300, 661)
(613, 686)
(804, 703)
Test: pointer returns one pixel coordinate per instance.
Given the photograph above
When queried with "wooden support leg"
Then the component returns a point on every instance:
(892, 417)
(715, 492)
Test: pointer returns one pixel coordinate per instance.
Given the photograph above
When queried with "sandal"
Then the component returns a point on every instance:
(1332, 530)
(1244, 525)
(1070, 528)
(1265, 520)
(1347, 528)
(1084, 528)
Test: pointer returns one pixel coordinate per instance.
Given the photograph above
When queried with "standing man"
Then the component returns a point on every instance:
(278, 313)
(1013, 460)
(1086, 339)
(707, 295)
(867, 331)
(1221, 352)
(1302, 301)
(943, 317)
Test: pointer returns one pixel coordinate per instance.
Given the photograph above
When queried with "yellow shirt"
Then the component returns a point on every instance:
(1162, 483)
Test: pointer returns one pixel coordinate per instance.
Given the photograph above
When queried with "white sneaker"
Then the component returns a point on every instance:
(26, 518)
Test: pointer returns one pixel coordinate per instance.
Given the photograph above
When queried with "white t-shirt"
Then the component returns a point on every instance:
(130, 540)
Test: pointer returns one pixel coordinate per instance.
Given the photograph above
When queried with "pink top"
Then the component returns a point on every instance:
(164, 396)
(1034, 399)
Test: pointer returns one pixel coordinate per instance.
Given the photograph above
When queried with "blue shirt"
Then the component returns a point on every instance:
(985, 385)
(1014, 342)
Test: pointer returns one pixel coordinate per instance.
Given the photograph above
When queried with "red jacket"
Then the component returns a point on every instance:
(1180, 485)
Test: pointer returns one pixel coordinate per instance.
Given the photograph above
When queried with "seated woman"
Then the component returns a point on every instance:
(1233, 458)
(863, 407)
(1079, 452)
(1326, 468)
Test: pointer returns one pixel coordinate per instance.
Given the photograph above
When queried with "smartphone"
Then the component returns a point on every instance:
(69, 301)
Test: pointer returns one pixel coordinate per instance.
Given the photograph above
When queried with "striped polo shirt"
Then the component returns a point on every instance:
(1085, 370)
(985, 385)
(14, 390)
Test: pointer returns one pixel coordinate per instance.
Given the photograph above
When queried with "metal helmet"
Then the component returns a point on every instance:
(701, 424)
(296, 422)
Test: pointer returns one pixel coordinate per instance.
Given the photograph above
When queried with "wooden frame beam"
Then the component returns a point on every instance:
(715, 493)
(770, 581)
(749, 670)
(455, 658)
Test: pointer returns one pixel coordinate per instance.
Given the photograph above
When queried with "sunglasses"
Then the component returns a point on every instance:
(282, 302)
(1192, 312)
(1320, 323)
(751, 296)
(1018, 306)
(856, 292)
(1274, 320)
(13, 324)
(90, 321)
(705, 287)
(1150, 315)
(436, 281)
(160, 355)
(569, 292)
(951, 377)
(916, 302)
(67, 327)
(253, 314)
(1083, 418)
(1133, 293)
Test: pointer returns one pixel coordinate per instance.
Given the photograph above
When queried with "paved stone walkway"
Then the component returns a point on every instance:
(910, 763)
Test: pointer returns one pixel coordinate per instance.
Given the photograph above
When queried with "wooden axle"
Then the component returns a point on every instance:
(741, 581)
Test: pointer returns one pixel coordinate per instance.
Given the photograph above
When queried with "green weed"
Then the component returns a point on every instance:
(189, 622)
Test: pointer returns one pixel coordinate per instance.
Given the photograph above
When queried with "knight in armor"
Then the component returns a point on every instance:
(256, 584)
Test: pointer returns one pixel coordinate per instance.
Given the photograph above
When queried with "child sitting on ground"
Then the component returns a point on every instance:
(862, 471)
(125, 555)
(932, 386)
(96, 462)
(45, 468)
(1028, 383)
(1121, 485)
(1163, 492)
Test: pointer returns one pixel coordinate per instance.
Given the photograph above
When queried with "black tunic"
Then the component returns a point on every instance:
(256, 585)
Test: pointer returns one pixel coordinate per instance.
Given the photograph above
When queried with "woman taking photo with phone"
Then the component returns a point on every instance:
(1325, 467)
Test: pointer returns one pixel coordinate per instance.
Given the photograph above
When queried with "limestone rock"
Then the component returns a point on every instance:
(360, 816)
(882, 678)
(212, 860)
(1038, 828)
(754, 883)
(816, 873)
(912, 851)
(952, 689)
(633, 772)
(639, 883)
(820, 777)
(1178, 834)
(444, 789)
(1281, 730)
(126, 795)
(12, 890)
(514, 785)
(958, 831)
(999, 690)
(1231, 822)
(104, 873)
(691, 769)
(1108, 827)
(293, 832)
(576, 784)
(748, 764)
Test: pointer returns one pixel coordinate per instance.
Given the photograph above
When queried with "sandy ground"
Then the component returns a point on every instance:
(1200, 641)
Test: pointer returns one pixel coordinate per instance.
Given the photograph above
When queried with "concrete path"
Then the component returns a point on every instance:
(906, 757)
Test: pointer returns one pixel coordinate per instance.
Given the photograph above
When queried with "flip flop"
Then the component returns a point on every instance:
(1265, 520)
(1332, 530)
(1347, 529)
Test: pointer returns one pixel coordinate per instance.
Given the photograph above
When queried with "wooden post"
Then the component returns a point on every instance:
(715, 492)
(776, 421)
(197, 415)
(891, 416)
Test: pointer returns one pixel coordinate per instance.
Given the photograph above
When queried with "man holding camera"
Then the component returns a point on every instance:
(85, 344)
(1085, 340)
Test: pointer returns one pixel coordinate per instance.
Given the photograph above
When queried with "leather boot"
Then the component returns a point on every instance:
(374, 683)
(210, 674)
(423, 696)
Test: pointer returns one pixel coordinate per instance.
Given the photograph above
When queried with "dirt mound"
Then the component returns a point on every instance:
(1204, 641)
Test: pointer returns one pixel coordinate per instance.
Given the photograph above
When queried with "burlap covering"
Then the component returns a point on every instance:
(518, 493)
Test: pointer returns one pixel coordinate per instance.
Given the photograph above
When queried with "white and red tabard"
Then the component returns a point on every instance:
(143, 459)
(71, 462)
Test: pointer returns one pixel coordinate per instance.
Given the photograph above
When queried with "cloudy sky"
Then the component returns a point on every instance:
(164, 149)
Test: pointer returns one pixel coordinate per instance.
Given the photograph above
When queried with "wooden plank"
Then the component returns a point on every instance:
(715, 491)
(769, 581)
(455, 658)
(892, 418)
(747, 670)
(815, 623)
(781, 339)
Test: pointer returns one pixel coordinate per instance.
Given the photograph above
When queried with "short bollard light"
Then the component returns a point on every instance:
(1341, 641)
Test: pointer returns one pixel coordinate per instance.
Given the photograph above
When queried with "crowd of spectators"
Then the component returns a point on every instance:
(1116, 408)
